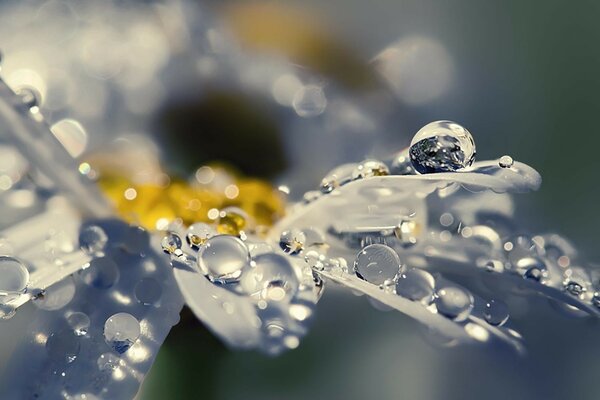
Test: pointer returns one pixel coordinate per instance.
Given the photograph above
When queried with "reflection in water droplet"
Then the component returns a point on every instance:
(496, 266)
(148, 291)
(272, 278)
(222, 258)
(121, 331)
(232, 221)
(63, 346)
(496, 312)
(92, 240)
(370, 168)
(14, 277)
(406, 232)
(171, 242)
(416, 285)
(102, 273)
(198, 234)
(442, 146)
(454, 302)
(377, 263)
(292, 241)
(505, 162)
(79, 322)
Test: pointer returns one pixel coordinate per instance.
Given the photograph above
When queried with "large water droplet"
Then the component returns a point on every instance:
(370, 168)
(416, 285)
(454, 302)
(222, 258)
(92, 240)
(292, 241)
(102, 273)
(496, 312)
(79, 322)
(121, 331)
(14, 277)
(442, 146)
(272, 278)
(377, 264)
(63, 346)
(197, 234)
(148, 291)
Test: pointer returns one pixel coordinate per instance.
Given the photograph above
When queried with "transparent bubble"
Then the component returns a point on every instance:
(93, 240)
(14, 276)
(121, 331)
(292, 241)
(102, 273)
(272, 278)
(56, 296)
(309, 101)
(63, 346)
(337, 177)
(171, 242)
(370, 168)
(222, 258)
(79, 322)
(442, 146)
(496, 312)
(506, 162)
(197, 234)
(148, 291)
(377, 264)
(454, 302)
(416, 285)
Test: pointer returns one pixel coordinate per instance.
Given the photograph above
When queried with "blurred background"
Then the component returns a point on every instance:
(285, 90)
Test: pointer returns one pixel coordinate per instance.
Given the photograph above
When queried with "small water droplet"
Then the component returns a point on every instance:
(496, 266)
(532, 268)
(93, 240)
(337, 177)
(505, 162)
(63, 346)
(407, 232)
(377, 263)
(102, 273)
(442, 146)
(496, 312)
(309, 101)
(315, 260)
(56, 296)
(596, 300)
(454, 302)
(416, 285)
(292, 241)
(79, 322)
(148, 291)
(14, 277)
(232, 221)
(370, 168)
(222, 258)
(272, 278)
(121, 331)
(171, 242)
(197, 234)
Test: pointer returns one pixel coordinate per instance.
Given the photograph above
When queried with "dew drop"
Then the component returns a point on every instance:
(197, 234)
(313, 238)
(496, 266)
(505, 162)
(337, 177)
(121, 331)
(377, 263)
(442, 146)
(406, 232)
(93, 240)
(171, 242)
(309, 101)
(56, 296)
(79, 322)
(454, 302)
(520, 247)
(222, 258)
(63, 346)
(370, 168)
(148, 291)
(292, 241)
(416, 285)
(102, 273)
(272, 278)
(496, 312)
(14, 276)
(232, 221)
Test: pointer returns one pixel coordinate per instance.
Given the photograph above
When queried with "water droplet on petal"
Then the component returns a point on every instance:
(272, 278)
(222, 258)
(416, 285)
(102, 273)
(232, 221)
(370, 168)
(377, 263)
(496, 312)
(505, 162)
(337, 177)
(442, 146)
(14, 277)
(171, 242)
(292, 241)
(79, 322)
(29, 96)
(121, 331)
(92, 240)
(148, 291)
(454, 302)
(63, 346)
(198, 234)
(407, 232)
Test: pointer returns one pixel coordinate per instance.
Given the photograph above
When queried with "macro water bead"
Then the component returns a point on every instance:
(121, 331)
(13, 276)
(377, 264)
(442, 146)
(222, 258)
